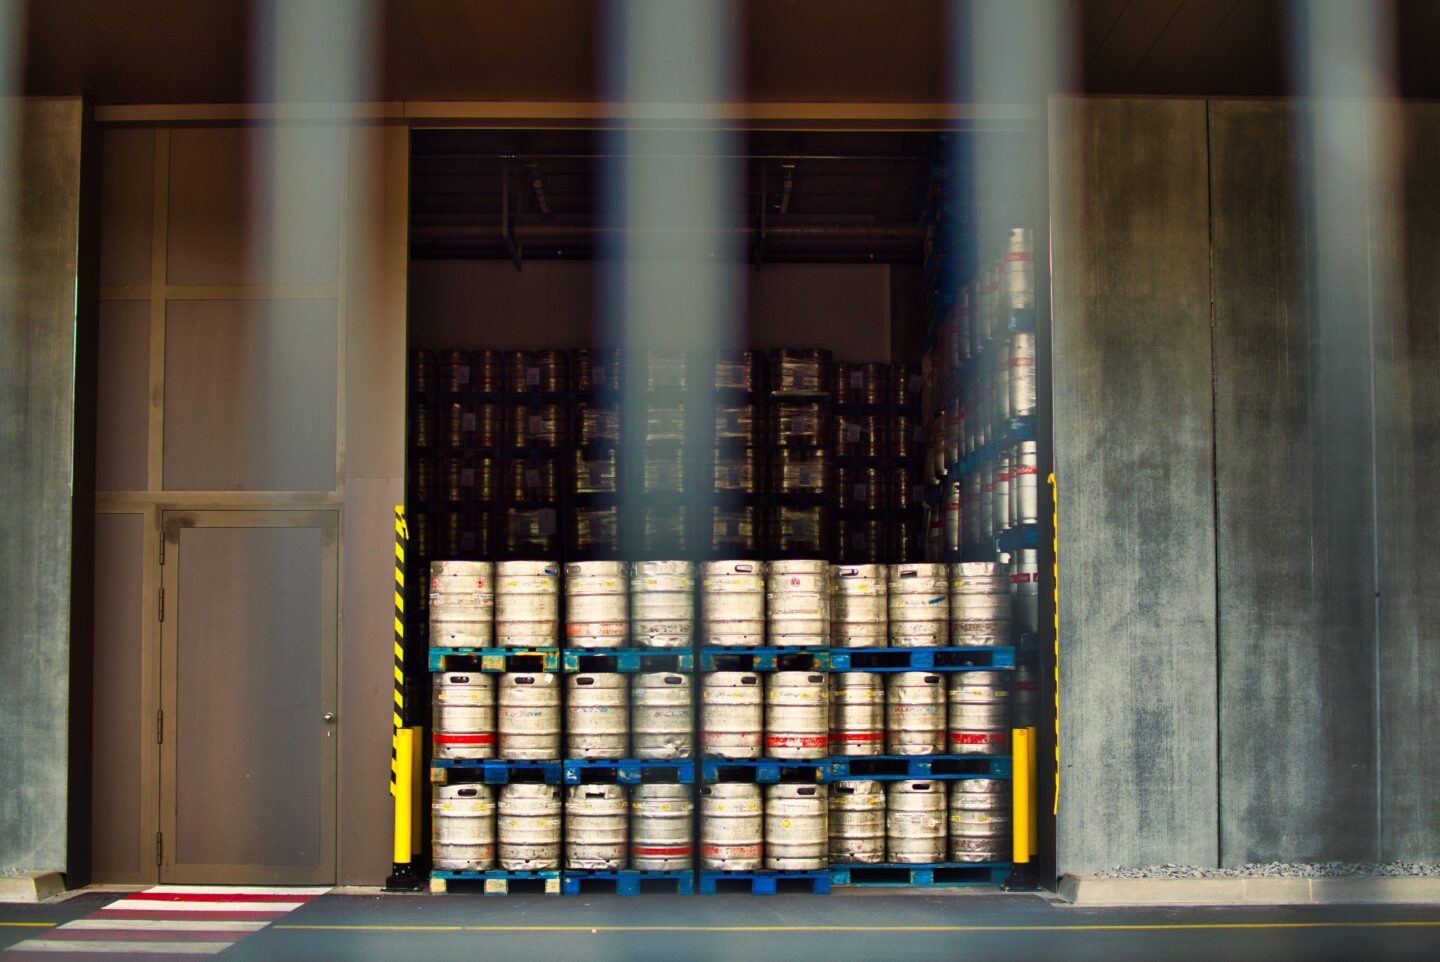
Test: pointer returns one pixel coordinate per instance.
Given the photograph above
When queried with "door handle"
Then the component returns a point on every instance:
(329, 716)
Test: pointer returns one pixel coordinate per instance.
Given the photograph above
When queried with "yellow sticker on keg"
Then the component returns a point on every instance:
(785, 823)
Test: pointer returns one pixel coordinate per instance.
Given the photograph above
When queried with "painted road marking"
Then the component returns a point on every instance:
(168, 920)
(1110, 927)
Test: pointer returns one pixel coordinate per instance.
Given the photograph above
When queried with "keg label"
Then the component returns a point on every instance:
(979, 738)
(730, 851)
(444, 739)
(673, 850)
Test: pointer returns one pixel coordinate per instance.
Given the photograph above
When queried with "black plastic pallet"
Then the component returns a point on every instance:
(765, 883)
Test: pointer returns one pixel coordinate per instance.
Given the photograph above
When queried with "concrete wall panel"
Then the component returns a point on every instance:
(1133, 463)
(1407, 440)
(39, 244)
(1297, 657)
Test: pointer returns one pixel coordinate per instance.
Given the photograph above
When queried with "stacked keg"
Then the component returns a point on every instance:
(877, 491)
(537, 440)
(592, 465)
(920, 821)
(738, 463)
(661, 465)
(859, 616)
(800, 430)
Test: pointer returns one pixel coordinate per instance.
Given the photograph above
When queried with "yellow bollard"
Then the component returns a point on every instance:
(1021, 788)
(404, 794)
(1032, 757)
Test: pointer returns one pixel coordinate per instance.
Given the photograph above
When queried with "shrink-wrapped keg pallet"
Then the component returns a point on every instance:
(922, 659)
(628, 771)
(444, 771)
(892, 768)
(494, 659)
(932, 875)
(765, 882)
(625, 882)
(496, 883)
(628, 660)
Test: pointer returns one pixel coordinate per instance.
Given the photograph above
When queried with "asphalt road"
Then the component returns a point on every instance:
(874, 928)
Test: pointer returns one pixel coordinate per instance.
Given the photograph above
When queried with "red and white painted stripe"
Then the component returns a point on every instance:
(166, 921)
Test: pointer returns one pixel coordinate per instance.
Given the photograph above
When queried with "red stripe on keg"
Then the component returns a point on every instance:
(795, 741)
(1014, 256)
(646, 850)
(738, 851)
(858, 737)
(464, 739)
(979, 738)
(596, 628)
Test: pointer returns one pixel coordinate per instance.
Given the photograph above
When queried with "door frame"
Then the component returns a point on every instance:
(172, 522)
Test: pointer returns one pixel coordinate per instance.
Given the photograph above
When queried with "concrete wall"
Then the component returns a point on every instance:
(1133, 458)
(1248, 659)
(39, 246)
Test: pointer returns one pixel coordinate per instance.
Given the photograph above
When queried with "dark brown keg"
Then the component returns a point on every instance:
(867, 383)
(532, 480)
(594, 472)
(422, 479)
(802, 471)
(800, 372)
(804, 424)
(799, 530)
(738, 471)
(594, 369)
(537, 425)
(596, 423)
(862, 487)
(735, 530)
(422, 372)
(737, 424)
(737, 371)
(422, 423)
(906, 383)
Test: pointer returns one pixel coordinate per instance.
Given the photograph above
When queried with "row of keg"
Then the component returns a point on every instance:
(800, 603)
(800, 715)
(462, 424)
(790, 372)
(999, 495)
(743, 826)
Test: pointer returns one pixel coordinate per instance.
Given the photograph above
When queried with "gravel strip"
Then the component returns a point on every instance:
(1281, 870)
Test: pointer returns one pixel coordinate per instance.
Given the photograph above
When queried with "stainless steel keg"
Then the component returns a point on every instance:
(915, 713)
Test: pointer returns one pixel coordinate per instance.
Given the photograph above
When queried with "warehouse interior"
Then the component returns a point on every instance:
(1239, 421)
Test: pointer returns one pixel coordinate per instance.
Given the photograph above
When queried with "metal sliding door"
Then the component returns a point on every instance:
(247, 729)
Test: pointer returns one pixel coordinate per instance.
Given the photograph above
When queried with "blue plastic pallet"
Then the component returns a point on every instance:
(1025, 536)
(498, 883)
(495, 659)
(899, 768)
(494, 772)
(931, 875)
(763, 771)
(631, 771)
(764, 659)
(626, 882)
(768, 882)
(922, 659)
(627, 659)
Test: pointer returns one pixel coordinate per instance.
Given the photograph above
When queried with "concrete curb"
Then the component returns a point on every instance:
(1091, 890)
(31, 887)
